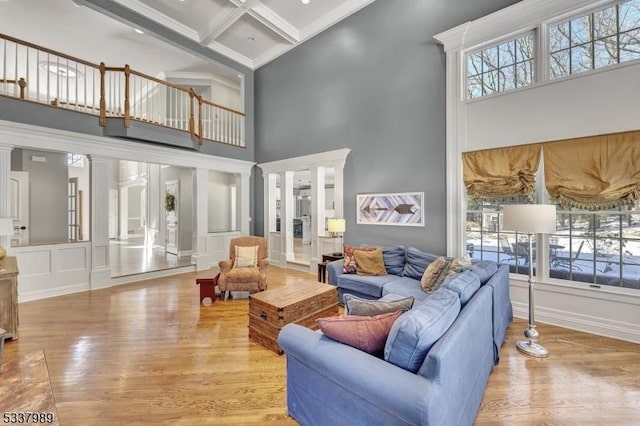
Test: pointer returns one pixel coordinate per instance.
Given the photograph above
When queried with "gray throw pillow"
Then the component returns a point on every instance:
(362, 307)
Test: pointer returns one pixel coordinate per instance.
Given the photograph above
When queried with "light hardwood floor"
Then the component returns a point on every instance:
(148, 353)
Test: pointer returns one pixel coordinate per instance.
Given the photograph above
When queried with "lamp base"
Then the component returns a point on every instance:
(534, 349)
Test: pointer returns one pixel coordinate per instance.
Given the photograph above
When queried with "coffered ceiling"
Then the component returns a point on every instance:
(251, 32)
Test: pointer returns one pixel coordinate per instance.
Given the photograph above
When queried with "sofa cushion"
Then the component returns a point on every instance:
(435, 274)
(416, 262)
(369, 262)
(367, 333)
(415, 332)
(357, 306)
(349, 260)
(404, 287)
(465, 284)
(370, 285)
(394, 259)
(484, 269)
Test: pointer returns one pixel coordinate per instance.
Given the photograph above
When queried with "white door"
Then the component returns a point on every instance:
(19, 183)
(113, 213)
(171, 203)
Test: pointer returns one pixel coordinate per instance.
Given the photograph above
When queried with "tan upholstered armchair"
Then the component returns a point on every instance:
(253, 278)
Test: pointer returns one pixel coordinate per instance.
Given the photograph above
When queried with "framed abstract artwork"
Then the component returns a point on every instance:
(398, 208)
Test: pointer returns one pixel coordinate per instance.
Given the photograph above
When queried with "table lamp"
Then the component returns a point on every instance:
(530, 219)
(336, 227)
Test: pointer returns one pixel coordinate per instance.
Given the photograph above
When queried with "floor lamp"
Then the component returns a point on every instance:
(530, 219)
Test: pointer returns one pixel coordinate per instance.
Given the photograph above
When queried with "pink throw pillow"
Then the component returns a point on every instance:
(368, 334)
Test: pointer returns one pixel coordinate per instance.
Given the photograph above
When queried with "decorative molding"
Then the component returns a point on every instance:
(327, 159)
(28, 296)
(160, 18)
(524, 15)
(151, 275)
(29, 136)
(267, 17)
(200, 78)
(217, 27)
(231, 54)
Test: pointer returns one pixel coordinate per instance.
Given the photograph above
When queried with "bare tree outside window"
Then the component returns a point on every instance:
(600, 39)
(501, 67)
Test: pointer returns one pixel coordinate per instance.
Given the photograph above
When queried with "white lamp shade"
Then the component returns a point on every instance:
(6, 227)
(336, 225)
(529, 218)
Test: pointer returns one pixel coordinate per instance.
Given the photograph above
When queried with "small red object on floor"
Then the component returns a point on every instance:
(207, 283)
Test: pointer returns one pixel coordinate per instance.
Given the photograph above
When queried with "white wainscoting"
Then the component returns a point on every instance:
(275, 249)
(52, 270)
(580, 308)
(218, 245)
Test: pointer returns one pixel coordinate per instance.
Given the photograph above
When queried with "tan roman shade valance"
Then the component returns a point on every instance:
(594, 173)
(501, 173)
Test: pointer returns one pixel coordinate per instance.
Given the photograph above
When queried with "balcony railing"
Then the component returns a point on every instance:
(37, 74)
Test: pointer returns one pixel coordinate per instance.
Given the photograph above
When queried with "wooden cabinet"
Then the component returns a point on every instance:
(9, 297)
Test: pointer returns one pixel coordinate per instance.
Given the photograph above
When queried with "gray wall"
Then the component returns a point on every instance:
(48, 194)
(374, 83)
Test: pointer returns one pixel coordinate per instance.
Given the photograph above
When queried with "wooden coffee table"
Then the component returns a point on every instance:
(301, 303)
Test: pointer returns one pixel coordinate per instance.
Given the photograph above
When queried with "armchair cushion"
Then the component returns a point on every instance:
(244, 275)
(246, 257)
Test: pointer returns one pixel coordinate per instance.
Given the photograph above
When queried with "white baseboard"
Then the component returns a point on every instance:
(600, 326)
(29, 296)
(150, 275)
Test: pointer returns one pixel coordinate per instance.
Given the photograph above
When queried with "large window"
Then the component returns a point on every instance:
(485, 239)
(501, 67)
(600, 39)
(597, 247)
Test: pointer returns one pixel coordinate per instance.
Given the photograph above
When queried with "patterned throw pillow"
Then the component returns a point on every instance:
(458, 265)
(350, 266)
(435, 274)
(246, 257)
(368, 334)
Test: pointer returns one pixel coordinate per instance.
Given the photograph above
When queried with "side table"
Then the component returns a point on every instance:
(207, 280)
(322, 266)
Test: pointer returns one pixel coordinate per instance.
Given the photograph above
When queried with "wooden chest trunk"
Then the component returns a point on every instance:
(300, 303)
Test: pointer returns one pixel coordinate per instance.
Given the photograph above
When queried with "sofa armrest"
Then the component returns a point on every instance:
(263, 264)
(225, 265)
(329, 380)
(502, 308)
(333, 270)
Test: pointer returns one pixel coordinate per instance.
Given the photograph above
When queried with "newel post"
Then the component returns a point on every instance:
(192, 124)
(127, 110)
(200, 120)
(103, 103)
(22, 83)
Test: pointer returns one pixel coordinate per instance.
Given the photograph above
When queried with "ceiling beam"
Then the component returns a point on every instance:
(267, 17)
(218, 26)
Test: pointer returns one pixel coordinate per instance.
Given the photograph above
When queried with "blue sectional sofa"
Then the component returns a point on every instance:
(437, 358)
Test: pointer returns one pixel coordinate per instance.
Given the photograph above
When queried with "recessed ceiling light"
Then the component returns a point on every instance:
(305, 1)
(139, 31)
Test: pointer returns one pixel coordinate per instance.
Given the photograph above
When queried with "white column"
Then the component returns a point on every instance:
(338, 167)
(286, 221)
(200, 256)
(317, 214)
(100, 262)
(245, 194)
(5, 190)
